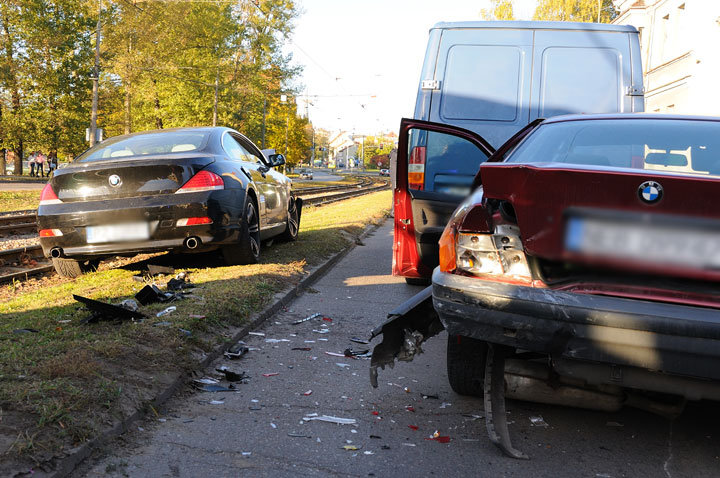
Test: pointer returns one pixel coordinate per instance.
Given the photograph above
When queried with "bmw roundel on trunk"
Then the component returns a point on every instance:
(184, 190)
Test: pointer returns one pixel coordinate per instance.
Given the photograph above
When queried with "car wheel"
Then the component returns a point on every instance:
(417, 281)
(247, 250)
(293, 222)
(71, 268)
(466, 364)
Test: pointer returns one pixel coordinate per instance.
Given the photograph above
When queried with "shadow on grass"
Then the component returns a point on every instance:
(63, 382)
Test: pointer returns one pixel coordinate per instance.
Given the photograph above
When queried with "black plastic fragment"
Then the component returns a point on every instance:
(151, 294)
(104, 311)
(232, 376)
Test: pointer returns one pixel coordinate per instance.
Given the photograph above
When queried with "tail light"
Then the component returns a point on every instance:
(193, 221)
(48, 196)
(416, 168)
(202, 181)
(50, 232)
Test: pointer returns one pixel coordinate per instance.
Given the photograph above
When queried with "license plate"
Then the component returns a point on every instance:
(668, 244)
(137, 231)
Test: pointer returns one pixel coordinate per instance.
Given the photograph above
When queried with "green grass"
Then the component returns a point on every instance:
(62, 385)
(18, 200)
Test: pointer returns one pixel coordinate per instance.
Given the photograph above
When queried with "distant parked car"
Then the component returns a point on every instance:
(183, 190)
(306, 174)
(384, 172)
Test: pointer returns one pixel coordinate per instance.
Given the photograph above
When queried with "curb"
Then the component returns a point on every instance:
(65, 466)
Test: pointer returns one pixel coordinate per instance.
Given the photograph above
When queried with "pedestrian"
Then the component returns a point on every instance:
(52, 162)
(32, 163)
(40, 160)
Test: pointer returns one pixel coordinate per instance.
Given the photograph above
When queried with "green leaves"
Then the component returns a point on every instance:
(161, 65)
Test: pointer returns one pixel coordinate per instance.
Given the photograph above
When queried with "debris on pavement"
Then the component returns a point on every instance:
(359, 341)
(276, 341)
(104, 311)
(446, 404)
(538, 421)
(335, 354)
(236, 350)
(321, 331)
(350, 447)
(342, 365)
(308, 393)
(410, 408)
(306, 319)
(232, 376)
(427, 396)
(259, 334)
(217, 402)
(213, 387)
(330, 419)
(413, 427)
(306, 349)
(298, 435)
(272, 374)
(355, 353)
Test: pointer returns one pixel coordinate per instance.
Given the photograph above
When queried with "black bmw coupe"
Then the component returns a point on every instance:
(179, 190)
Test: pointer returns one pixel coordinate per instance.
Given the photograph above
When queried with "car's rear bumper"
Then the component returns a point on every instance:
(161, 213)
(662, 337)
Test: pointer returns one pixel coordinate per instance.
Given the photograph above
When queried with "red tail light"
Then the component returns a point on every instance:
(202, 181)
(193, 221)
(50, 232)
(416, 168)
(48, 196)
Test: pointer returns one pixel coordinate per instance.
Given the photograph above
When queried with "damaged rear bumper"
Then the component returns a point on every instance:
(622, 333)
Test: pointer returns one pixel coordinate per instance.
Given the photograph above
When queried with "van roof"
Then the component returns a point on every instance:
(537, 26)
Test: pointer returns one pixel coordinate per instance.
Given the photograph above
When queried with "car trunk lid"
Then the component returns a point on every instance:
(127, 177)
(601, 215)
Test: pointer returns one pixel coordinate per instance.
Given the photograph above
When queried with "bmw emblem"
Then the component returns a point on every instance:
(114, 180)
(650, 192)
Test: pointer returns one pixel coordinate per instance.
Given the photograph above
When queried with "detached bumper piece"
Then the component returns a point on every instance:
(408, 326)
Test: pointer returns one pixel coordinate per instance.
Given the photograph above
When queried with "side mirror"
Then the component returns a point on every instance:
(276, 160)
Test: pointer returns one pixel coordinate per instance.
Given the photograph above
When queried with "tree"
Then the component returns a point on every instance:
(501, 10)
(575, 10)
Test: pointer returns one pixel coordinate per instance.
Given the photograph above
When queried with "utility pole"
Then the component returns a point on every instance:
(96, 80)
(215, 103)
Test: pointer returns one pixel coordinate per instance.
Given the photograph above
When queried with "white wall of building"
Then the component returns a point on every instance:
(680, 43)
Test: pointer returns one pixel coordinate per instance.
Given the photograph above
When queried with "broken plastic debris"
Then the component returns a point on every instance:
(355, 353)
(308, 393)
(217, 402)
(306, 319)
(375, 412)
(350, 447)
(151, 293)
(439, 439)
(426, 396)
(342, 365)
(334, 354)
(232, 376)
(538, 421)
(413, 427)
(330, 419)
(298, 435)
(321, 331)
(195, 316)
(163, 323)
(167, 311)
(306, 349)
(205, 380)
(215, 388)
(272, 374)
(129, 304)
(273, 425)
(410, 408)
(376, 437)
(368, 453)
(276, 341)
(104, 311)
(327, 319)
(236, 350)
(409, 444)
(259, 334)
(359, 341)
(446, 404)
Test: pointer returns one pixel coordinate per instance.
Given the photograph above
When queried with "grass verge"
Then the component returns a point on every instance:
(66, 382)
(18, 200)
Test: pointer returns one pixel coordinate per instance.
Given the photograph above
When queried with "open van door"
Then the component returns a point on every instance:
(436, 165)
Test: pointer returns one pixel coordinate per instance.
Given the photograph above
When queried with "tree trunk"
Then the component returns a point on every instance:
(128, 106)
(12, 85)
(158, 119)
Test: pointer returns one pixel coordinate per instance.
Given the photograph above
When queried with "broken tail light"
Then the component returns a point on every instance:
(202, 181)
(498, 254)
(416, 168)
(193, 221)
(50, 232)
(48, 196)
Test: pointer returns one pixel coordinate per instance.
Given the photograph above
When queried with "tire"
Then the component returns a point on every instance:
(71, 268)
(293, 222)
(417, 281)
(247, 250)
(466, 359)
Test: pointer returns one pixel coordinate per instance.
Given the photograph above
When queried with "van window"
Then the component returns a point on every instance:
(442, 163)
(579, 80)
(482, 82)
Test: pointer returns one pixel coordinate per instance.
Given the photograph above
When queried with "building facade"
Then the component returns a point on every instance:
(679, 41)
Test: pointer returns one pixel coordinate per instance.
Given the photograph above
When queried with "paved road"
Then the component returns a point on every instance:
(18, 186)
(251, 432)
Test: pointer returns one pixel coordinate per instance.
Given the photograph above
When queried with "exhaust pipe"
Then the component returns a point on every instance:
(56, 252)
(192, 242)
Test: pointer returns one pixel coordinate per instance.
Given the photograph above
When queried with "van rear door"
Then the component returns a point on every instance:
(483, 81)
(436, 165)
(577, 71)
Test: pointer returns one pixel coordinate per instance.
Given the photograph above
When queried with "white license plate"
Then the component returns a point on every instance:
(675, 245)
(136, 231)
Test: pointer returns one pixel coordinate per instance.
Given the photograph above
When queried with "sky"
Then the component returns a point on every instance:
(361, 59)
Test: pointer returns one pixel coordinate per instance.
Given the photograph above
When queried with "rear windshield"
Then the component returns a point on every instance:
(146, 144)
(675, 146)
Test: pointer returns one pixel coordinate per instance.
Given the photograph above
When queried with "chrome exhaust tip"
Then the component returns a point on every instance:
(192, 242)
(56, 252)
